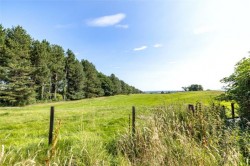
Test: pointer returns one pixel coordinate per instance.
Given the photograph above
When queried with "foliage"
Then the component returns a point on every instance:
(238, 87)
(193, 87)
(173, 136)
(75, 77)
(106, 84)
(92, 86)
(40, 55)
(32, 71)
(16, 86)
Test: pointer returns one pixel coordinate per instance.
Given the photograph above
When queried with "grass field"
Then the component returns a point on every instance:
(98, 117)
(87, 125)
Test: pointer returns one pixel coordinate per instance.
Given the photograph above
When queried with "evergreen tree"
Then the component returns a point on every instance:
(57, 66)
(93, 85)
(106, 84)
(124, 87)
(16, 84)
(32, 70)
(74, 77)
(2, 47)
(117, 84)
(40, 54)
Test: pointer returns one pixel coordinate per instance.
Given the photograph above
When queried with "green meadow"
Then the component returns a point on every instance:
(98, 117)
(88, 127)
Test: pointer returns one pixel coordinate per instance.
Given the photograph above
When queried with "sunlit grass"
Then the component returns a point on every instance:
(85, 123)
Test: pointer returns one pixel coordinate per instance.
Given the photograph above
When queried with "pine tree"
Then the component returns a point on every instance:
(93, 85)
(116, 84)
(74, 77)
(40, 53)
(16, 84)
(57, 66)
(106, 84)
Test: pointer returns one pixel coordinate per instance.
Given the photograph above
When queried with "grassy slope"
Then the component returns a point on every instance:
(88, 123)
(98, 118)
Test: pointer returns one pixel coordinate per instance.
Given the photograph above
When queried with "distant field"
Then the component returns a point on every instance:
(97, 119)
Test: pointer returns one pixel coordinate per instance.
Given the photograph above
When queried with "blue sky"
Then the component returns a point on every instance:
(150, 44)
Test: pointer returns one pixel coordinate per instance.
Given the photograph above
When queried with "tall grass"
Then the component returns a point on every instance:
(174, 136)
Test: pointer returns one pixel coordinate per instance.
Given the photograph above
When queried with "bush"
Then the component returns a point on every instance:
(238, 87)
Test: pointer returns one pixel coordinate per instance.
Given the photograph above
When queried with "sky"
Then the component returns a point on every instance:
(150, 44)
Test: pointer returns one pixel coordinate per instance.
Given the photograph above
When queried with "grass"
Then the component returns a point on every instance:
(89, 127)
(173, 137)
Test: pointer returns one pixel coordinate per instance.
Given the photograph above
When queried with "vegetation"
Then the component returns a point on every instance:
(174, 136)
(34, 71)
(193, 87)
(238, 87)
(95, 132)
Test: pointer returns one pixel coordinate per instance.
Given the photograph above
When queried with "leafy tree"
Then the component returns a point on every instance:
(238, 87)
(74, 77)
(193, 87)
(185, 88)
(15, 79)
(92, 85)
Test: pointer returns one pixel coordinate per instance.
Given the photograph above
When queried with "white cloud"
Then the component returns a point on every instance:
(158, 45)
(140, 48)
(203, 29)
(105, 21)
(123, 26)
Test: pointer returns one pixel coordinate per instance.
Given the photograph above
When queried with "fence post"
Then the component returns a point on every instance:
(191, 108)
(223, 112)
(133, 121)
(51, 125)
(129, 123)
(233, 115)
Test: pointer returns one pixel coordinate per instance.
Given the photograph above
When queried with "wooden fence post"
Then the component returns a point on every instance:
(223, 112)
(233, 115)
(51, 125)
(191, 108)
(129, 123)
(133, 121)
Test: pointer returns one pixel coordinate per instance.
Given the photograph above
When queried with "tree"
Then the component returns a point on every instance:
(193, 87)
(92, 85)
(15, 79)
(74, 77)
(57, 66)
(40, 54)
(106, 84)
(36, 70)
(116, 84)
(238, 87)
(185, 88)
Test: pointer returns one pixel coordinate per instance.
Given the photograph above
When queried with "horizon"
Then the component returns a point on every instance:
(151, 45)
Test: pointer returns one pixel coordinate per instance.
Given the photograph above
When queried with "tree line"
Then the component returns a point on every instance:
(32, 70)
